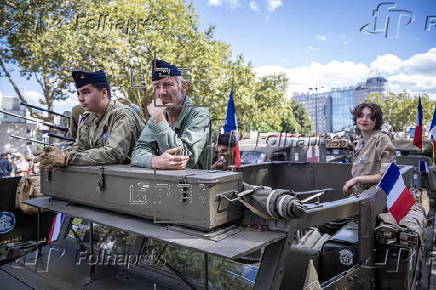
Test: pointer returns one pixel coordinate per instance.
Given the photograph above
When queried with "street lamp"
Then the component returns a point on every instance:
(316, 107)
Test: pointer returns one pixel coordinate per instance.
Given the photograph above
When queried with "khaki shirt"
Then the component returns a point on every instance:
(373, 154)
(109, 139)
(191, 131)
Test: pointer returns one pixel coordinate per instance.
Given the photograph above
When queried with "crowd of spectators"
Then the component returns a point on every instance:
(17, 164)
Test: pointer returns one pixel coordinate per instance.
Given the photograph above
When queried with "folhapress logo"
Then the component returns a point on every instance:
(387, 20)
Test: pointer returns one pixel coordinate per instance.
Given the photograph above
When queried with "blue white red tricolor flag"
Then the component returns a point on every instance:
(417, 138)
(423, 167)
(231, 126)
(399, 199)
(55, 228)
(433, 129)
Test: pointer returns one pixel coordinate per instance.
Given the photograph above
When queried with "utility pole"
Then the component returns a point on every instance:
(316, 107)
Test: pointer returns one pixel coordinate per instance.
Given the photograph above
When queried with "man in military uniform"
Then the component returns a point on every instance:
(107, 131)
(175, 136)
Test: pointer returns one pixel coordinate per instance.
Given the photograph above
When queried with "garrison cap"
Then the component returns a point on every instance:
(82, 78)
(162, 69)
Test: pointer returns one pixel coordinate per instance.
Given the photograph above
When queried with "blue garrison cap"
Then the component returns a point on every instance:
(162, 69)
(82, 78)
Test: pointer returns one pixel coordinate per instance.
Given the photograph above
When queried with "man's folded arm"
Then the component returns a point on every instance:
(143, 152)
(192, 140)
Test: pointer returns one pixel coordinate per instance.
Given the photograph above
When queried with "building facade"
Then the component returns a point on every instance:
(331, 111)
(15, 126)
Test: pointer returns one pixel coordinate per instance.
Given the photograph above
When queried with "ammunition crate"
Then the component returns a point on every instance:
(195, 198)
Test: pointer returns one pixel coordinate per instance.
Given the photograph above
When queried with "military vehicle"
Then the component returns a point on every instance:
(18, 230)
(282, 147)
(134, 228)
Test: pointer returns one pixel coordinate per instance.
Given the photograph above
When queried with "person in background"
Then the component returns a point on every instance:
(11, 160)
(76, 115)
(223, 151)
(5, 166)
(22, 166)
(127, 102)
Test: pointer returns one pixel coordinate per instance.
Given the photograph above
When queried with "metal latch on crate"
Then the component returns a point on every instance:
(227, 195)
(100, 180)
(185, 190)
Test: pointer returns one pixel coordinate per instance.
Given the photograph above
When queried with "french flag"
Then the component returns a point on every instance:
(433, 129)
(399, 198)
(55, 228)
(423, 167)
(417, 138)
(231, 126)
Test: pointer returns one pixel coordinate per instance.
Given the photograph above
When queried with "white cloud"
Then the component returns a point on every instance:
(422, 63)
(321, 37)
(345, 40)
(270, 5)
(254, 6)
(33, 97)
(273, 4)
(416, 74)
(231, 3)
(312, 48)
(386, 64)
(330, 75)
(215, 2)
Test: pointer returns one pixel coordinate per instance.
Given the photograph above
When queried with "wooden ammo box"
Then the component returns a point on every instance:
(196, 198)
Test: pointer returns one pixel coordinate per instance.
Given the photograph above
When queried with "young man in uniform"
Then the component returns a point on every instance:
(107, 131)
(175, 136)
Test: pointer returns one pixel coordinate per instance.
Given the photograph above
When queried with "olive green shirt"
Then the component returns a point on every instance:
(108, 139)
(191, 131)
(373, 154)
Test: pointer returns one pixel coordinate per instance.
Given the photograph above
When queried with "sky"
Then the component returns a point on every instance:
(319, 42)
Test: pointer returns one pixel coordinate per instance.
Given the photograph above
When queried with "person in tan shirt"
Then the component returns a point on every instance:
(374, 150)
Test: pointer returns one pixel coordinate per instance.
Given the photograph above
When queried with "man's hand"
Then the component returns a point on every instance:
(168, 160)
(221, 164)
(156, 112)
(349, 184)
(51, 157)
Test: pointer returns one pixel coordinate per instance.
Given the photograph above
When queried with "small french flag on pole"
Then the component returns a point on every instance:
(55, 228)
(433, 129)
(423, 167)
(231, 126)
(417, 138)
(399, 198)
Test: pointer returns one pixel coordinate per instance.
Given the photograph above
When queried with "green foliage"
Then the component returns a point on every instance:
(399, 110)
(277, 113)
(48, 39)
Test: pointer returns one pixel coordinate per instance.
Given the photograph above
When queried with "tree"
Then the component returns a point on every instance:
(302, 117)
(48, 39)
(399, 110)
